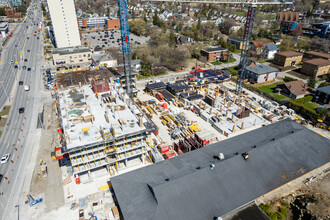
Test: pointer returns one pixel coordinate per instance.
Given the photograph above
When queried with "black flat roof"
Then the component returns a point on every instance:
(184, 187)
(155, 85)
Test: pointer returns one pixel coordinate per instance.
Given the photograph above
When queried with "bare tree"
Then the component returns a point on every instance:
(226, 25)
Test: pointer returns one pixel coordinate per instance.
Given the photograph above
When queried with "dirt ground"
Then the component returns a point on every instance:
(49, 187)
(311, 201)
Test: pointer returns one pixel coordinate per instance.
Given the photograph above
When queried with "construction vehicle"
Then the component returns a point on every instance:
(33, 201)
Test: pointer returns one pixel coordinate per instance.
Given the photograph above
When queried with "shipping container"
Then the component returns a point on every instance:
(163, 148)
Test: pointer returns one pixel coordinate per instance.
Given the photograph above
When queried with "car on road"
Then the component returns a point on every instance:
(21, 110)
(28, 51)
(12, 61)
(1, 176)
(20, 83)
(34, 68)
(16, 66)
(38, 38)
(5, 158)
(29, 69)
(24, 67)
(25, 60)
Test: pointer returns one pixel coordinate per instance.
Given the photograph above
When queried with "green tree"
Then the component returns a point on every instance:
(323, 84)
(312, 81)
(2, 12)
(156, 20)
(324, 113)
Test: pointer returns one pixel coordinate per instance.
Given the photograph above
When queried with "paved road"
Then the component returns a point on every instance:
(20, 127)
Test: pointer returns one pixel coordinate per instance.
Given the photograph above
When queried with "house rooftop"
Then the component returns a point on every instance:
(318, 54)
(71, 50)
(324, 89)
(290, 54)
(215, 49)
(318, 62)
(102, 57)
(271, 47)
(185, 187)
(88, 119)
(261, 69)
(297, 87)
(236, 39)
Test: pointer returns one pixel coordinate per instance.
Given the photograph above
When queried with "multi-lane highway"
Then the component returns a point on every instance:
(21, 127)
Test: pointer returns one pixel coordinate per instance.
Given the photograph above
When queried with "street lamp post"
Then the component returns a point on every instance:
(17, 206)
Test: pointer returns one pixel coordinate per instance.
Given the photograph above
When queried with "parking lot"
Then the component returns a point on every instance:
(110, 38)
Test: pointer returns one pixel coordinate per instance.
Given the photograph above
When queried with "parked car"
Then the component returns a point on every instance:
(20, 83)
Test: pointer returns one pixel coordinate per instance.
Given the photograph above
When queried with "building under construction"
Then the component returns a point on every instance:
(101, 129)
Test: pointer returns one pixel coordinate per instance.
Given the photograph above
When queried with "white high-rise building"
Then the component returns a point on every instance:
(64, 20)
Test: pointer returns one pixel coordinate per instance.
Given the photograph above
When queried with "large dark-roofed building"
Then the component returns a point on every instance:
(185, 187)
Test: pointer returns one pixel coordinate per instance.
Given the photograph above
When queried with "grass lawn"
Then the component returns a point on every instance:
(240, 13)
(269, 89)
(307, 103)
(230, 60)
(237, 51)
(216, 62)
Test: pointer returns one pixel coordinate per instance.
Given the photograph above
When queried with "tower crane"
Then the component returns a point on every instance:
(126, 46)
(247, 30)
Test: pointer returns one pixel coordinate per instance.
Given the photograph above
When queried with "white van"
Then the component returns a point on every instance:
(26, 87)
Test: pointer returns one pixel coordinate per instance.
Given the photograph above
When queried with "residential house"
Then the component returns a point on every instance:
(288, 58)
(218, 21)
(235, 41)
(184, 39)
(315, 54)
(261, 73)
(257, 47)
(318, 66)
(214, 54)
(270, 51)
(294, 89)
(322, 95)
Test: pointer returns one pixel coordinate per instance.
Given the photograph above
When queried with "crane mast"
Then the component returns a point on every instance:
(126, 46)
(245, 50)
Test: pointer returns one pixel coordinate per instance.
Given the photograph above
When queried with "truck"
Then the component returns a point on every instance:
(26, 87)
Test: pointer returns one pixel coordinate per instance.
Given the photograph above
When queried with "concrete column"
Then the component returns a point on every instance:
(233, 128)
(242, 126)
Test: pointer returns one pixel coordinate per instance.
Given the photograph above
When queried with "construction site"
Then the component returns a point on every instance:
(101, 129)
(203, 106)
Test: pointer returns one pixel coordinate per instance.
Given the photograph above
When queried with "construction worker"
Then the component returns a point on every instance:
(246, 155)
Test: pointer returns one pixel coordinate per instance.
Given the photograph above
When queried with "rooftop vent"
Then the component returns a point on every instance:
(198, 168)
(212, 166)
(167, 179)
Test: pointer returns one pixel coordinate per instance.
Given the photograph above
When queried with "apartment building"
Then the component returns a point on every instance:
(318, 66)
(64, 20)
(214, 54)
(238, 42)
(288, 58)
(72, 56)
